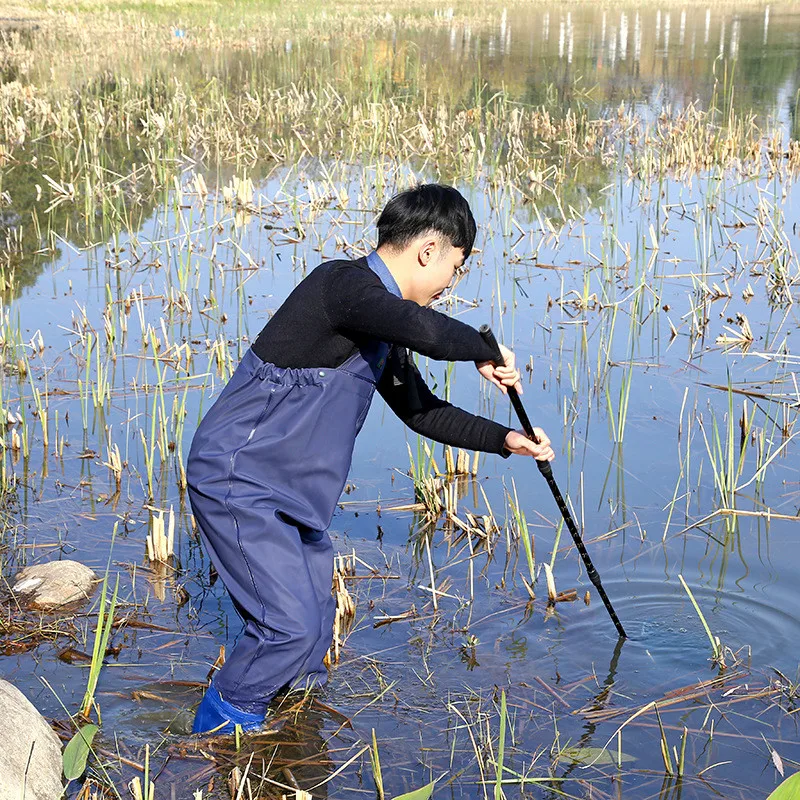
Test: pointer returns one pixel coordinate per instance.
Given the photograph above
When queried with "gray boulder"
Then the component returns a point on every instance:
(54, 584)
(30, 752)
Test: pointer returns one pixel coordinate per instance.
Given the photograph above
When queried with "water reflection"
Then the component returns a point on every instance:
(669, 53)
(557, 59)
(650, 55)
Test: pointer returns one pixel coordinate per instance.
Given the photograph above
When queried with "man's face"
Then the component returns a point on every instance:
(440, 265)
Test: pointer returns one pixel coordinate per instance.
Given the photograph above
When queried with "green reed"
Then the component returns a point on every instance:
(726, 451)
(105, 622)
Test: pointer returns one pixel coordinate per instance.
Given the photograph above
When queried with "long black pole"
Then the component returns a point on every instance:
(547, 472)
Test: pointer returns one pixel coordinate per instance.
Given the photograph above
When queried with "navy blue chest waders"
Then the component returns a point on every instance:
(265, 471)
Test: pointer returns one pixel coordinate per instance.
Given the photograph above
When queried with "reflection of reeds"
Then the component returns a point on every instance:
(290, 112)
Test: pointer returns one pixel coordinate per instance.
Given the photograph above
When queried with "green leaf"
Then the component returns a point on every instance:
(592, 755)
(77, 752)
(418, 794)
(788, 790)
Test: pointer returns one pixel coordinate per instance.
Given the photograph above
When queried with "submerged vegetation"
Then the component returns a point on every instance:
(169, 172)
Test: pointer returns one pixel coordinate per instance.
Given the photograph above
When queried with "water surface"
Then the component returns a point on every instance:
(615, 314)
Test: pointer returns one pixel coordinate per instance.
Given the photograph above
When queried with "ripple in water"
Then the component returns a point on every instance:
(665, 625)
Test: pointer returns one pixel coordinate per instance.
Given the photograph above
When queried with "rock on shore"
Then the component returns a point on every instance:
(30, 752)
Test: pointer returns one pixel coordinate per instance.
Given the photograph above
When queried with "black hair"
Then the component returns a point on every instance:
(427, 207)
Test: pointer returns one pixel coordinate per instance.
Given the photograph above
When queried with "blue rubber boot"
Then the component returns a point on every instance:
(218, 716)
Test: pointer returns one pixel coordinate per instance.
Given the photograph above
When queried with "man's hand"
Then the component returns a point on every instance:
(519, 444)
(502, 377)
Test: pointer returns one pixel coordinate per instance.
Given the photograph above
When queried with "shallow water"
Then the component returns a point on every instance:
(620, 396)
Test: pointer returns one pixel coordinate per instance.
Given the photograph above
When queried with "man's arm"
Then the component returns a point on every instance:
(356, 302)
(407, 394)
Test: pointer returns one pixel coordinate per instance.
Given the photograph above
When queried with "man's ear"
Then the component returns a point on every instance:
(427, 251)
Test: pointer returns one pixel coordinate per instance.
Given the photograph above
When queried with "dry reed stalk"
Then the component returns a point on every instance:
(344, 568)
(450, 499)
(161, 539)
(449, 464)
(552, 594)
(743, 338)
(568, 596)
(114, 463)
(218, 662)
(137, 790)
(688, 693)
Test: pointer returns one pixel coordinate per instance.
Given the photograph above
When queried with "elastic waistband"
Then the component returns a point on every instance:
(288, 376)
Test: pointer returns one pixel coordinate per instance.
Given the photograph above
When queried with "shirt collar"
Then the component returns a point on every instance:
(378, 266)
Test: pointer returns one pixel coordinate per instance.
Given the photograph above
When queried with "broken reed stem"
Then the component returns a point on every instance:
(551, 584)
(449, 464)
(343, 568)
(458, 464)
(161, 542)
(114, 462)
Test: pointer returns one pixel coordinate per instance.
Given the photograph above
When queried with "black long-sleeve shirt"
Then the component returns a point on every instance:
(343, 303)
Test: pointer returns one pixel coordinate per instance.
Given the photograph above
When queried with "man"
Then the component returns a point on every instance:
(268, 462)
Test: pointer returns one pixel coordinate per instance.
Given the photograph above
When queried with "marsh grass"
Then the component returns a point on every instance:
(727, 451)
(524, 536)
(427, 485)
